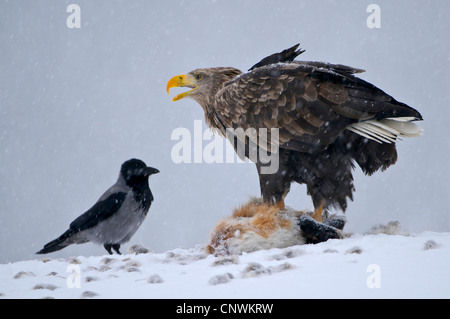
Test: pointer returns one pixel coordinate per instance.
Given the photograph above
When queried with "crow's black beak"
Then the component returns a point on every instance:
(151, 171)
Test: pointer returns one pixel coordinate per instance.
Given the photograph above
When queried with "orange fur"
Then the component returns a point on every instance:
(266, 220)
(249, 209)
(254, 217)
(223, 232)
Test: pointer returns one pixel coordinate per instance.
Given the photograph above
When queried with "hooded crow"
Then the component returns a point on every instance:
(116, 216)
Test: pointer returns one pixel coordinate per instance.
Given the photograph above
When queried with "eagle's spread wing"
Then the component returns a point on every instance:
(309, 102)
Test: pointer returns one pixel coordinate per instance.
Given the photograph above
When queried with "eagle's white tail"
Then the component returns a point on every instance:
(387, 130)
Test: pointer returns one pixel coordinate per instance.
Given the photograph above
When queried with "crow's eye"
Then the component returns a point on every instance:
(198, 77)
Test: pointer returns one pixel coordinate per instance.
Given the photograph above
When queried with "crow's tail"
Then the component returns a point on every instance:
(57, 244)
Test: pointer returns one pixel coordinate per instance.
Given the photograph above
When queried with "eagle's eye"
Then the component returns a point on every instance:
(198, 77)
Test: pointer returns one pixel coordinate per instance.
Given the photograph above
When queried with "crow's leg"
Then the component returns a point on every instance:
(108, 248)
(116, 247)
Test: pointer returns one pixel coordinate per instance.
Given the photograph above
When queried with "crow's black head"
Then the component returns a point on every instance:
(135, 171)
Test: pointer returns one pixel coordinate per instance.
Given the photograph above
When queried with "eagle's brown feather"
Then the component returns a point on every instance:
(316, 107)
(293, 97)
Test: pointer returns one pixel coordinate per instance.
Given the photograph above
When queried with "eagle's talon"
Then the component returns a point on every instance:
(280, 205)
(317, 214)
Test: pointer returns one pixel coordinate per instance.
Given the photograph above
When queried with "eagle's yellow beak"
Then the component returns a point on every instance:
(184, 80)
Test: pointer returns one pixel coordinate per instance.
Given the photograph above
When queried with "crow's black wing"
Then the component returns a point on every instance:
(100, 211)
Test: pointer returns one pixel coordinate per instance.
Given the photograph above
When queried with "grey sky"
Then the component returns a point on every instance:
(76, 103)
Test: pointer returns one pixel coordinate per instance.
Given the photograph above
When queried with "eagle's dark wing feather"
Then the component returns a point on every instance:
(310, 103)
(287, 55)
(337, 68)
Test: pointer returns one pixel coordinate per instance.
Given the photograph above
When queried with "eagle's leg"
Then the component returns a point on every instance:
(317, 214)
(280, 204)
(274, 187)
(273, 197)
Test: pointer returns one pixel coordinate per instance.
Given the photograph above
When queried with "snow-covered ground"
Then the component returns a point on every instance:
(375, 265)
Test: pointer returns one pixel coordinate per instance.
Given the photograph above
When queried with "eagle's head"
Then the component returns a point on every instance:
(204, 83)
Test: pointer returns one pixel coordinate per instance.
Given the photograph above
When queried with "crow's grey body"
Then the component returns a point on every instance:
(120, 227)
(116, 216)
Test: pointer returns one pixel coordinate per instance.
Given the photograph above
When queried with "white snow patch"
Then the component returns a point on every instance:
(414, 266)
